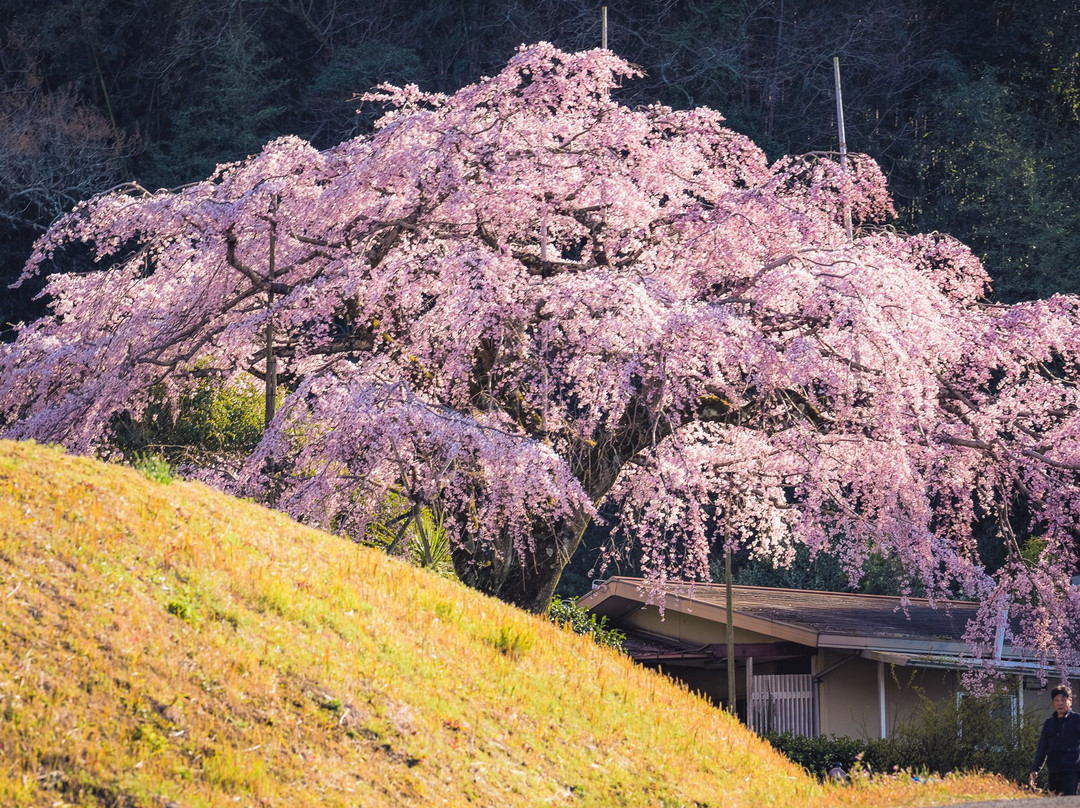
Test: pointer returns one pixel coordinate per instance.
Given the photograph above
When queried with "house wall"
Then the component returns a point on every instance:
(687, 628)
(848, 696)
(903, 686)
(908, 689)
(849, 699)
(1037, 705)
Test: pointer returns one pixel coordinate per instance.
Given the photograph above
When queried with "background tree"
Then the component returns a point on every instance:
(515, 304)
(202, 82)
(998, 161)
(55, 149)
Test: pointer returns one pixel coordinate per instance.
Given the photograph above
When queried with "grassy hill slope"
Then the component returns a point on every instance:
(165, 645)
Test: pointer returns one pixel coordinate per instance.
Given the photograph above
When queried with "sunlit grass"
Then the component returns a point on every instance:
(167, 643)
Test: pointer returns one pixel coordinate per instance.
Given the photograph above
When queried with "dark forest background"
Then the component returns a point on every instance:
(972, 108)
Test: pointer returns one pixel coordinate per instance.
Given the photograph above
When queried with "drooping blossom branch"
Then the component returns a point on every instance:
(521, 302)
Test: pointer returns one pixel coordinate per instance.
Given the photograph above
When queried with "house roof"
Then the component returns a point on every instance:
(875, 625)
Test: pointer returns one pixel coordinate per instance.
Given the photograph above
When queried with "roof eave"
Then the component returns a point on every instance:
(707, 611)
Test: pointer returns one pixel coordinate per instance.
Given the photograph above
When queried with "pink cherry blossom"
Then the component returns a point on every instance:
(513, 304)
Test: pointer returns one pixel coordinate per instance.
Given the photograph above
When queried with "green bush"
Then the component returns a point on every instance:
(569, 615)
(212, 417)
(818, 755)
(415, 534)
(511, 642)
(221, 417)
(179, 609)
(969, 734)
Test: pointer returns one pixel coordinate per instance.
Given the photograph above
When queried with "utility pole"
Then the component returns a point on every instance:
(603, 27)
(843, 139)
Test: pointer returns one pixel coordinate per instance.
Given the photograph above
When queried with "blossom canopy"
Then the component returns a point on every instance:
(517, 303)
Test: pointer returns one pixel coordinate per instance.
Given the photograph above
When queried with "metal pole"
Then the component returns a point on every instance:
(603, 27)
(843, 139)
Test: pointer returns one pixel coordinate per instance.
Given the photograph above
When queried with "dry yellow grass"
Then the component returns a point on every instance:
(167, 645)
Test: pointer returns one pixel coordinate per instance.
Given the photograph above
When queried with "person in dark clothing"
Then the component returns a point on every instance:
(1059, 745)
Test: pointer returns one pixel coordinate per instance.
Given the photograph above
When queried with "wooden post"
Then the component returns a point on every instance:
(750, 693)
(843, 139)
(1020, 701)
(881, 699)
(730, 633)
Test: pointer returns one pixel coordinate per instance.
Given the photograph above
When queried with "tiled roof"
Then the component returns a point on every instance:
(871, 617)
(874, 626)
(840, 613)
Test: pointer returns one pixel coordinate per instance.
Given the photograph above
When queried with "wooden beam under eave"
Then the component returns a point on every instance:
(761, 651)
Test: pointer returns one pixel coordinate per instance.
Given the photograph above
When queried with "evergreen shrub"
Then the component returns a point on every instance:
(567, 613)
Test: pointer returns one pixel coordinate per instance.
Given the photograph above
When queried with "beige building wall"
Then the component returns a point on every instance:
(850, 705)
(848, 702)
(1036, 699)
(907, 690)
(688, 628)
(850, 695)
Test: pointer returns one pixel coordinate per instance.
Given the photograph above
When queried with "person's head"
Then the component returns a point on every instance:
(1062, 697)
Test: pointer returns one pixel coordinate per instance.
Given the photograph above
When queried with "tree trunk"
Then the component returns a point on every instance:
(531, 581)
(271, 360)
(483, 566)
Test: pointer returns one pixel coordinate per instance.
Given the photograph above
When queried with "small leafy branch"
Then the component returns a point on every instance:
(568, 615)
